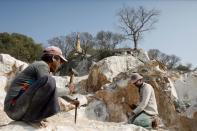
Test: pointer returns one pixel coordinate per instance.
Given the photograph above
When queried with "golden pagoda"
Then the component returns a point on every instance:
(78, 46)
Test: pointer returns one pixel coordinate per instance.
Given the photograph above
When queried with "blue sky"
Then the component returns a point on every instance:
(175, 32)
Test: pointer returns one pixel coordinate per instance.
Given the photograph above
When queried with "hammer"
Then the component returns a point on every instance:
(72, 74)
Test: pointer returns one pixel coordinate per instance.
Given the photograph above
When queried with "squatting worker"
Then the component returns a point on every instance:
(32, 95)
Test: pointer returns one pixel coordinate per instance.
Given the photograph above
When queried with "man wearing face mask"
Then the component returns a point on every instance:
(144, 113)
(32, 96)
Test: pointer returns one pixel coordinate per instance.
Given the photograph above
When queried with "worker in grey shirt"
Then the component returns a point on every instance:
(146, 110)
(32, 95)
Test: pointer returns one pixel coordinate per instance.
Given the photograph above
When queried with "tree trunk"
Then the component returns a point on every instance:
(135, 42)
(135, 46)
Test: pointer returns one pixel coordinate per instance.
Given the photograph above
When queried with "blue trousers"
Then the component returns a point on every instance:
(142, 119)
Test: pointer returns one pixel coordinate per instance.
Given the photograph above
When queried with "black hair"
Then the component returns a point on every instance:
(47, 58)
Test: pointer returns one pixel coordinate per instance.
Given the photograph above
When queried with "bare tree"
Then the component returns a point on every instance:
(87, 42)
(134, 22)
(154, 54)
(71, 39)
(184, 68)
(164, 58)
(170, 61)
(174, 60)
(108, 40)
(61, 43)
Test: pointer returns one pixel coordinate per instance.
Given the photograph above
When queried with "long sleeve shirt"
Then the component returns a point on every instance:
(147, 100)
(26, 78)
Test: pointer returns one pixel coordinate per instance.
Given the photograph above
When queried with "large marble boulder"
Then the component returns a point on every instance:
(3, 81)
(118, 100)
(141, 55)
(186, 87)
(10, 66)
(97, 110)
(105, 70)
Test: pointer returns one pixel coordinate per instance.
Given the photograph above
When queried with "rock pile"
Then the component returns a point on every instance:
(106, 95)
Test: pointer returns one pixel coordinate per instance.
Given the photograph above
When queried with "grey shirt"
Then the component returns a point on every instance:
(28, 76)
(147, 100)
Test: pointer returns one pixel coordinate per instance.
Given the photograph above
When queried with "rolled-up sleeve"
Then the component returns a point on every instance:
(62, 91)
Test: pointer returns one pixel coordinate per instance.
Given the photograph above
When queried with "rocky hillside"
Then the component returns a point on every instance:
(106, 95)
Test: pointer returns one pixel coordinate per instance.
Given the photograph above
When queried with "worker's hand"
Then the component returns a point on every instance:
(133, 106)
(71, 88)
(75, 102)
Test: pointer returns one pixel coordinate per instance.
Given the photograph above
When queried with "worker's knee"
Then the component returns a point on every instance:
(143, 120)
